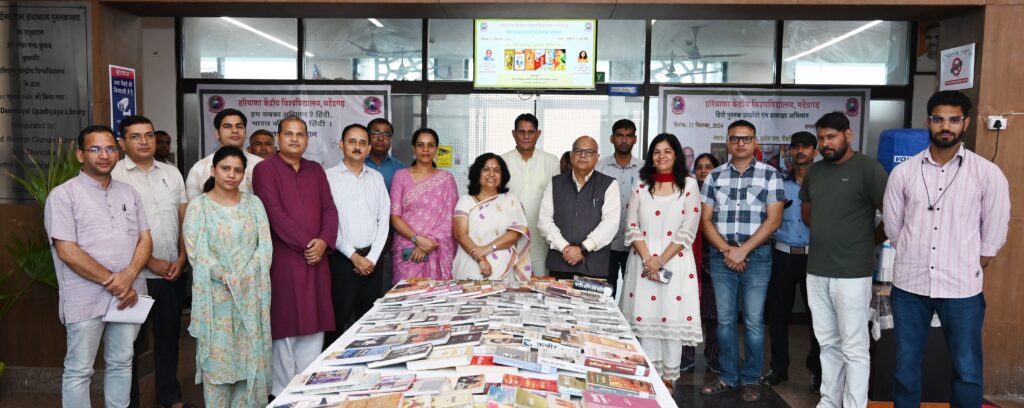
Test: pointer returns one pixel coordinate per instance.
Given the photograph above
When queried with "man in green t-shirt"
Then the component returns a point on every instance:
(839, 197)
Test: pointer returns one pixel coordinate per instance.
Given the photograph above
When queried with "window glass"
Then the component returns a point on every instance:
(713, 51)
(239, 48)
(450, 50)
(845, 52)
(364, 49)
(883, 115)
(620, 50)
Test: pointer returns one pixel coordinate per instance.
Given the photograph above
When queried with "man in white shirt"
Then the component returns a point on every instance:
(363, 214)
(626, 170)
(579, 215)
(531, 170)
(163, 201)
(230, 124)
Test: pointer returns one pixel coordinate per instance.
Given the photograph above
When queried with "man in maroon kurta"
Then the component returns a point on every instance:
(304, 226)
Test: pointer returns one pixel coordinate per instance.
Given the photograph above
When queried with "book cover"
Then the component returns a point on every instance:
(381, 330)
(402, 354)
(379, 401)
(472, 383)
(571, 385)
(421, 401)
(608, 342)
(443, 358)
(530, 383)
(523, 359)
(332, 378)
(392, 340)
(356, 355)
(461, 340)
(560, 402)
(610, 383)
(528, 399)
(429, 386)
(454, 399)
(602, 400)
(562, 361)
(390, 383)
(432, 338)
(615, 366)
(369, 380)
(483, 364)
(592, 285)
(413, 331)
(501, 397)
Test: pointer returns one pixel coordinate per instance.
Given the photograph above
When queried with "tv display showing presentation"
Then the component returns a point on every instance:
(534, 54)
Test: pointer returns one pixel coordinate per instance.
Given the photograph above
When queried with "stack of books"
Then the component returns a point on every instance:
(544, 343)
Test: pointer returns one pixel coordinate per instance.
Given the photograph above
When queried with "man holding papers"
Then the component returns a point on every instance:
(100, 243)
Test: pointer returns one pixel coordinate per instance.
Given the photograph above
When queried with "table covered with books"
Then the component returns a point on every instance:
(474, 344)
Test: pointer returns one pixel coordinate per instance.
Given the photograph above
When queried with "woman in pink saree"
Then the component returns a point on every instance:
(422, 203)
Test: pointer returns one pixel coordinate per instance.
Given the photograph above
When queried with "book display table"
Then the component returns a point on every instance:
(474, 344)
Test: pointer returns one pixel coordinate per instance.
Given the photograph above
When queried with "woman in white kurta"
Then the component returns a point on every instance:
(490, 226)
(662, 220)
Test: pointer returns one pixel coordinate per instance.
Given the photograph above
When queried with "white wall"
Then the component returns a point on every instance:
(158, 77)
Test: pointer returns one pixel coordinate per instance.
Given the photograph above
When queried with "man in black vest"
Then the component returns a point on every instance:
(579, 216)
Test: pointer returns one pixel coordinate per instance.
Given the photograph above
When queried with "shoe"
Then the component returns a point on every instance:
(687, 367)
(716, 387)
(714, 367)
(815, 387)
(751, 393)
(774, 378)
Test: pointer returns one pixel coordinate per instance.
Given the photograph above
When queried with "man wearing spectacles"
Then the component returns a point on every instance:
(100, 242)
(943, 244)
(230, 127)
(579, 216)
(530, 171)
(162, 191)
(380, 158)
(839, 198)
(742, 208)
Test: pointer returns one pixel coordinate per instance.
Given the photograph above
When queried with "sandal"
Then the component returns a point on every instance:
(751, 393)
(671, 385)
(716, 387)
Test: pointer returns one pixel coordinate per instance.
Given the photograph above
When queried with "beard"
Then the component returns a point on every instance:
(835, 154)
(943, 143)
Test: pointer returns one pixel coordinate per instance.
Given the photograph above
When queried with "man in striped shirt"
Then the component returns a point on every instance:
(943, 243)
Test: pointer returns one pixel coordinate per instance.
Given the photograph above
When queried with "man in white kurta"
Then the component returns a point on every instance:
(531, 170)
(230, 124)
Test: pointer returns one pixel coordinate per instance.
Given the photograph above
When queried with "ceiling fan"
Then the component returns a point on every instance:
(690, 68)
(371, 50)
(693, 50)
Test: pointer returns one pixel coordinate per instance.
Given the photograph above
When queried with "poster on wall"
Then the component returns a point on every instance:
(327, 109)
(544, 54)
(927, 46)
(46, 82)
(957, 69)
(122, 95)
(699, 117)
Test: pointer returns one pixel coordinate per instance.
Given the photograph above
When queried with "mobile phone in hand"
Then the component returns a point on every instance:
(664, 275)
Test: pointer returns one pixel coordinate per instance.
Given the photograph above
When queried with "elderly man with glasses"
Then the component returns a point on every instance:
(579, 216)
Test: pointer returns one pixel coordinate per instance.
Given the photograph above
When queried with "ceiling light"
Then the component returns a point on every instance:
(264, 35)
(376, 23)
(833, 41)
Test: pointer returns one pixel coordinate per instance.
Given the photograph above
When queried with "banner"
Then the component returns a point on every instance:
(122, 95)
(700, 117)
(327, 109)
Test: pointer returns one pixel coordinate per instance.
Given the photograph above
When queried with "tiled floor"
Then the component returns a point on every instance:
(793, 393)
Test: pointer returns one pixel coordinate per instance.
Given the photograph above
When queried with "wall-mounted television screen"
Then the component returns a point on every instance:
(534, 54)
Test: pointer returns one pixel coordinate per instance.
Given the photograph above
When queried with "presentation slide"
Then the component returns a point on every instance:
(535, 54)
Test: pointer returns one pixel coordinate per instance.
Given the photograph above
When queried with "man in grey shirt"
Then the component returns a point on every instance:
(626, 170)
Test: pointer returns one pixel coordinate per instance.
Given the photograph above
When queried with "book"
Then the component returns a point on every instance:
(406, 289)
(615, 366)
(443, 358)
(522, 359)
(454, 399)
(428, 329)
(544, 342)
(383, 317)
(429, 386)
(528, 399)
(562, 361)
(380, 401)
(501, 397)
(420, 401)
(432, 338)
(393, 340)
(529, 383)
(461, 340)
(330, 378)
(592, 285)
(369, 380)
(472, 383)
(382, 330)
(356, 355)
(608, 342)
(616, 384)
(571, 385)
(602, 400)
(482, 364)
(402, 354)
(561, 402)
(389, 384)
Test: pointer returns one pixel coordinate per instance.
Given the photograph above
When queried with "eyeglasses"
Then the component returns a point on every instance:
(738, 139)
(97, 149)
(584, 152)
(137, 137)
(377, 133)
(953, 120)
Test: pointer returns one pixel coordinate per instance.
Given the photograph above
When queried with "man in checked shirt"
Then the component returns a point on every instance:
(943, 243)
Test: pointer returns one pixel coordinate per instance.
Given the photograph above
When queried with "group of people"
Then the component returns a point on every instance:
(286, 255)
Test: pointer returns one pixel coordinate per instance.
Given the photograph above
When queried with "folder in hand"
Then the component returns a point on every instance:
(135, 314)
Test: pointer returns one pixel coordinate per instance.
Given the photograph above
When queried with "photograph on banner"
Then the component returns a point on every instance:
(327, 109)
(122, 95)
(699, 117)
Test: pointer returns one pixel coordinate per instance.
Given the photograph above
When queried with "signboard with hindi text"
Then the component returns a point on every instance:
(327, 109)
(699, 117)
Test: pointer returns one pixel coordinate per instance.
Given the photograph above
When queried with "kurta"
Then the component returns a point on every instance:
(528, 180)
(300, 208)
(230, 251)
(669, 311)
(487, 220)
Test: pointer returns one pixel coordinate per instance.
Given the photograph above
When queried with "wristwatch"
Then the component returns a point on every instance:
(414, 239)
(494, 247)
